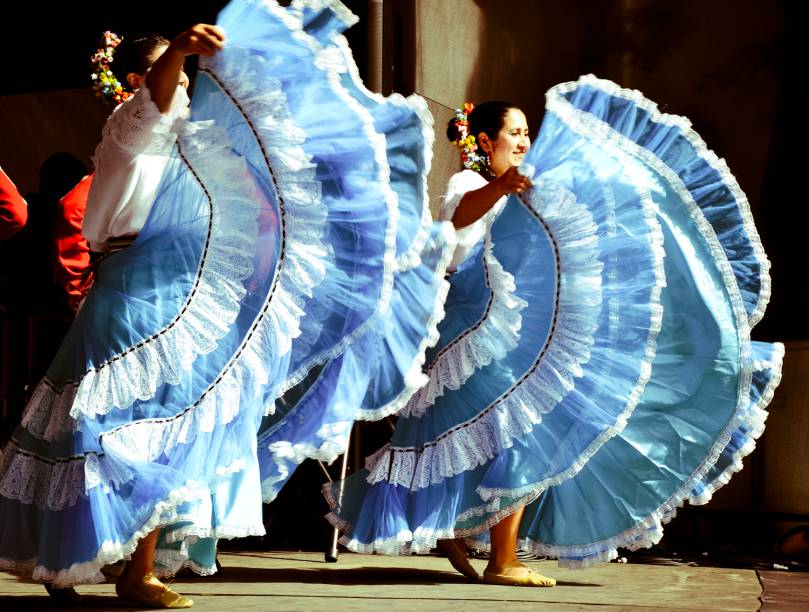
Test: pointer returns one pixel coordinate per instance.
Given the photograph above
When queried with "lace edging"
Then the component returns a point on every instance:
(139, 127)
(494, 335)
(649, 530)
(110, 552)
(213, 304)
(714, 161)
(476, 441)
(417, 105)
(49, 485)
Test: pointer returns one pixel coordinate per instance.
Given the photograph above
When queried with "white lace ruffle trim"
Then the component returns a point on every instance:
(557, 93)
(109, 552)
(519, 410)
(138, 126)
(494, 335)
(333, 437)
(302, 267)
(49, 485)
(648, 531)
(213, 304)
(414, 377)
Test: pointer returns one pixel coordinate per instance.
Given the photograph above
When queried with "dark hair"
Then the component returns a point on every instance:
(487, 117)
(134, 54)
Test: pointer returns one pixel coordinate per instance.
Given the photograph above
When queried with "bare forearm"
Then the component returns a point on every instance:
(477, 203)
(164, 77)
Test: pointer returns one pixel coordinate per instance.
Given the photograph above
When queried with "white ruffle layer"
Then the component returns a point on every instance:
(249, 370)
(649, 531)
(110, 552)
(495, 334)
(332, 439)
(555, 96)
(517, 412)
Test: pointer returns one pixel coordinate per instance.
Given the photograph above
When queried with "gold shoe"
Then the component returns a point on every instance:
(457, 556)
(517, 578)
(138, 594)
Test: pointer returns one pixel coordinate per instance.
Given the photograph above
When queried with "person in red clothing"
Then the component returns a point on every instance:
(72, 253)
(13, 208)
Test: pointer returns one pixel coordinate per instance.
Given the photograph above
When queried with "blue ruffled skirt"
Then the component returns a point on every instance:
(289, 225)
(595, 363)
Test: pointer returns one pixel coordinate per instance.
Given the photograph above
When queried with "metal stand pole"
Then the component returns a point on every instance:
(331, 554)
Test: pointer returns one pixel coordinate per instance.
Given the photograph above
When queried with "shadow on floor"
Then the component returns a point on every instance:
(349, 576)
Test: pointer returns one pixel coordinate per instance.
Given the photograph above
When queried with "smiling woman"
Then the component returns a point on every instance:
(594, 370)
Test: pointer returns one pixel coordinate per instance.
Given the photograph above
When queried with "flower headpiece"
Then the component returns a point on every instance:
(105, 85)
(466, 142)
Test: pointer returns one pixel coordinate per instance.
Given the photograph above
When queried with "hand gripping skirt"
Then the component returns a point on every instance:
(595, 363)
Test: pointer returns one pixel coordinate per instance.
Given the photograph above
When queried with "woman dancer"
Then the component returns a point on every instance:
(148, 416)
(584, 385)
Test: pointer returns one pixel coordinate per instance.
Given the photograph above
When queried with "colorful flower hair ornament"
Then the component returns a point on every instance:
(105, 85)
(466, 142)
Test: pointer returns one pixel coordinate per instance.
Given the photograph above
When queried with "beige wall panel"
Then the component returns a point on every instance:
(476, 50)
(445, 156)
(725, 79)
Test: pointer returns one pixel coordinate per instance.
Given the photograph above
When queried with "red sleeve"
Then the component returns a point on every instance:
(72, 252)
(13, 209)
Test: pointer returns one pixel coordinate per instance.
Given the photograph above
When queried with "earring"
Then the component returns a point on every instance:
(485, 166)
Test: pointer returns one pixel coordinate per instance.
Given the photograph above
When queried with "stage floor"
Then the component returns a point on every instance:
(303, 581)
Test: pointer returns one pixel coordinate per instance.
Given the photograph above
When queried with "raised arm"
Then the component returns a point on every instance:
(478, 202)
(163, 78)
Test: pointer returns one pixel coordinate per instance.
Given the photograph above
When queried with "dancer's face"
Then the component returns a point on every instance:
(136, 79)
(511, 144)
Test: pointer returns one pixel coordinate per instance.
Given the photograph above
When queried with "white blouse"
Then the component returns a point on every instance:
(129, 162)
(469, 236)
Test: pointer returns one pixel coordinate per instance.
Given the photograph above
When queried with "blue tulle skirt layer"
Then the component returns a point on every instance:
(271, 247)
(377, 365)
(595, 363)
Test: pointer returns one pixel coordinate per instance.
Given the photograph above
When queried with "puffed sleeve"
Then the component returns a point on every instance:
(13, 208)
(459, 184)
(138, 126)
(136, 129)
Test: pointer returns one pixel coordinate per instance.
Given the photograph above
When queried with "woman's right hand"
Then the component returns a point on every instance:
(511, 181)
(201, 39)
(167, 71)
